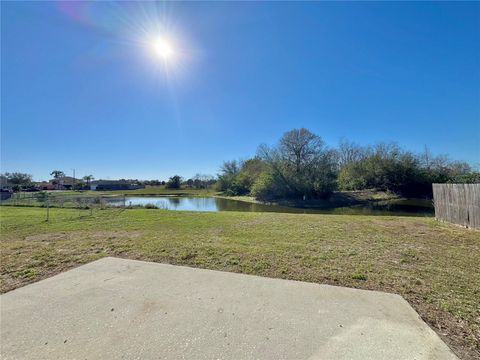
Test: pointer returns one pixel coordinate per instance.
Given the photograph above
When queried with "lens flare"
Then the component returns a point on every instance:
(147, 28)
(163, 49)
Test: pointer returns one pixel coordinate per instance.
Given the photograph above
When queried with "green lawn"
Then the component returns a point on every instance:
(434, 266)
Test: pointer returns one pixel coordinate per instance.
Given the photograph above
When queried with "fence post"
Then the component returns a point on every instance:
(48, 208)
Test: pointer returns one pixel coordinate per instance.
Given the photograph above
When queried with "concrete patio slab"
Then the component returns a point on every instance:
(125, 309)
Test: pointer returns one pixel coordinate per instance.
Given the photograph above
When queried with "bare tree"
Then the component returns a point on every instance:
(425, 158)
(349, 152)
(230, 168)
(300, 147)
(300, 166)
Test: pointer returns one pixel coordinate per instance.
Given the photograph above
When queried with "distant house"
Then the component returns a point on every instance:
(63, 183)
(115, 185)
(44, 185)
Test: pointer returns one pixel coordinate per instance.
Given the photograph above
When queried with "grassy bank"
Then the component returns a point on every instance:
(434, 266)
(149, 190)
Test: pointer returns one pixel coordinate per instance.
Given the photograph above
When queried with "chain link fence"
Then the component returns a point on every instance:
(49, 200)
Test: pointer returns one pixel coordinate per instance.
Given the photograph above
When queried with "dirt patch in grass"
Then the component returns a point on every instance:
(39, 256)
(80, 235)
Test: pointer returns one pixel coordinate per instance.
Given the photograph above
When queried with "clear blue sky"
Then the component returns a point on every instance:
(82, 87)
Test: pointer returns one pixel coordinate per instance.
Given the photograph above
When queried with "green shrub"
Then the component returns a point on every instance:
(358, 276)
(150, 206)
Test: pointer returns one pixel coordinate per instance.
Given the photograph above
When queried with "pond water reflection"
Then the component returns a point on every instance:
(392, 207)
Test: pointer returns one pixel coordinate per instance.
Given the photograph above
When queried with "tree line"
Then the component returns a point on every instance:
(301, 166)
(199, 181)
(19, 181)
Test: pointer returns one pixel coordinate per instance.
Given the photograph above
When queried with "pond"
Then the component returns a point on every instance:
(393, 207)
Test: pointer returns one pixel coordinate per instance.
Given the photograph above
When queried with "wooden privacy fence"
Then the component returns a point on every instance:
(458, 204)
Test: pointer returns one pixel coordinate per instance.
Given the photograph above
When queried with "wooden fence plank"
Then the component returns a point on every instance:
(458, 204)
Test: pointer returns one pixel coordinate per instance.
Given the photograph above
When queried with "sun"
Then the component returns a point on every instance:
(163, 49)
(166, 53)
